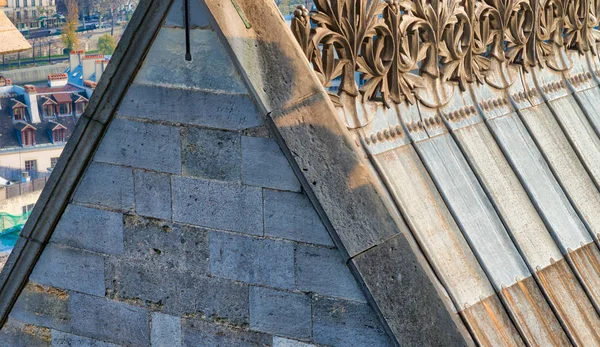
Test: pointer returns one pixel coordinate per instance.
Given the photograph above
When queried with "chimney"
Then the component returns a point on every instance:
(73, 60)
(31, 102)
(100, 68)
(58, 80)
(89, 68)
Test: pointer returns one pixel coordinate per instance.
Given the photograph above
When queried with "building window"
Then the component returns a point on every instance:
(33, 3)
(19, 113)
(58, 135)
(18, 3)
(28, 137)
(30, 165)
(25, 3)
(65, 108)
(28, 208)
(53, 162)
(80, 107)
(49, 110)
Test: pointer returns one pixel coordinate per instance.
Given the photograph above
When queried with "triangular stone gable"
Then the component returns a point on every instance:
(189, 226)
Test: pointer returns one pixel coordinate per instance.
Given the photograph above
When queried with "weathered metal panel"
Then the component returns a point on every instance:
(473, 211)
(586, 262)
(561, 157)
(433, 226)
(490, 325)
(532, 315)
(580, 132)
(508, 195)
(535, 175)
(589, 101)
(571, 303)
(535, 244)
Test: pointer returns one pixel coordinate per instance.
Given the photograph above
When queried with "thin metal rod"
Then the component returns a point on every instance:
(188, 54)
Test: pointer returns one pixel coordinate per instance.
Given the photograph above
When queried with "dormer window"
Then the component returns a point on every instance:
(57, 132)
(19, 113)
(28, 136)
(49, 107)
(80, 104)
(58, 135)
(18, 110)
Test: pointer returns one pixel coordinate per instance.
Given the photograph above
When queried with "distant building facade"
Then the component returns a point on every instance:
(29, 14)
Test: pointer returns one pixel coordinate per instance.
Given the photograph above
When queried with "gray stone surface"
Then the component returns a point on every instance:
(205, 108)
(199, 18)
(70, 268)
(107, 185)
(166, 64)
(252, 260)
(344, 323)
(323, 271)
(414, 310)
(18, 334)
(282, 313)
(43, 306)
(212, 154)
(338, 175)
(109, 321)
(152, 194)
(166, 245)
(63, 339)
(292, 216)
(143, 145)
(166, 330)
(264, 165)
(218, 205)
(198, 333)
(283, 342)
(177, 292)
(90, 229)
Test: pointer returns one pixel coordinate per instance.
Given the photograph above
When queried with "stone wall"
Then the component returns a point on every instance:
(189, 227)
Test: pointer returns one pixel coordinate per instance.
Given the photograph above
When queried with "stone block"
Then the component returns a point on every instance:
(198, 333)
(211, 68)
(166, 330)
(152, 194)
(107, 185)
(345, 323)
(199, 19)
(340, 178)
(91, 229)
(166, 245)
(15, 333)
(292, 216)
(177, 292)
(252, 260)
(187, 106)
(264, 165)
(143, 145)
(70, 268)
(282, 313)
(109, 321)
(218, 205)
(212, 154)
(323, 271)
(63, 339)
(42, 306)
(283, 342)
(414, 310)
